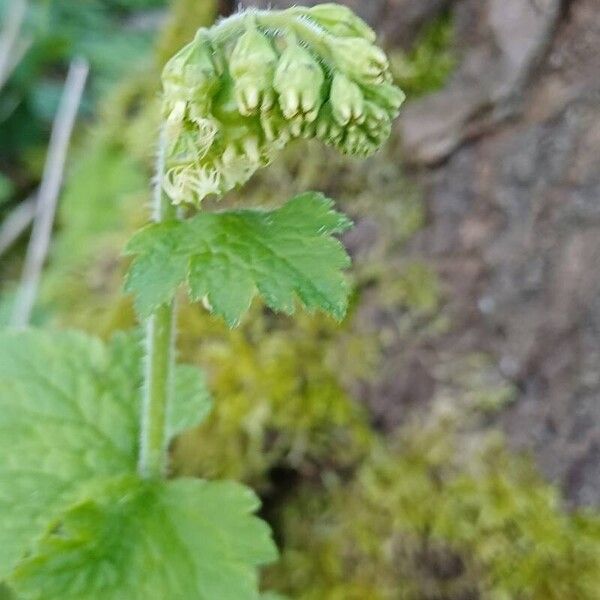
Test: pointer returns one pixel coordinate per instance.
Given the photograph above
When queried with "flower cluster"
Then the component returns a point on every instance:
(240, 91)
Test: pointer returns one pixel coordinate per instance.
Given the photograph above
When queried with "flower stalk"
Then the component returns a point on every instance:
(160, 351)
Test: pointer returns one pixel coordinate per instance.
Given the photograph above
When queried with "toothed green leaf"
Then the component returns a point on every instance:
(227, 258)
(69, 412)
(152, 540)
(191, 400)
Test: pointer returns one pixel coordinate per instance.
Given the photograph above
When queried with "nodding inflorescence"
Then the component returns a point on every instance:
(241, 90)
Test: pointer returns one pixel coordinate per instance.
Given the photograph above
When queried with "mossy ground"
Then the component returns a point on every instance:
(427, 517)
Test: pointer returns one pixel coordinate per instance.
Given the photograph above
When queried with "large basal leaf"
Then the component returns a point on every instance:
(152, 540)
(69, 412)
(227, 258)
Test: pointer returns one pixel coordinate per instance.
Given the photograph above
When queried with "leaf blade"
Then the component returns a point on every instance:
(69, 413)
(283, 255)
(106, 546)
(161, 271)
(191, 402)
(54, 430)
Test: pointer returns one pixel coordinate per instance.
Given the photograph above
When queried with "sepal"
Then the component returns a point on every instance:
(252, 67)
(340, 21)
(299, 80)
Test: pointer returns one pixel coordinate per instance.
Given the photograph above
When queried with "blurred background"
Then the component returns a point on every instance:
(443, 443)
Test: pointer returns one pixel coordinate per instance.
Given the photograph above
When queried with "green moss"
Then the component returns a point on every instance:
(185, 18)
(427, 67)
(5, 593)
(279, 401)
(431, 519)
(416, 288)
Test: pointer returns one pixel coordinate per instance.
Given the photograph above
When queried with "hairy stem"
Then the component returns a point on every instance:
(160, 350)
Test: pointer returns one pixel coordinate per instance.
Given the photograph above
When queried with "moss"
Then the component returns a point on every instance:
(279, 399)
(428, 519)
(427, 67)
(185, 18)
(415, 288)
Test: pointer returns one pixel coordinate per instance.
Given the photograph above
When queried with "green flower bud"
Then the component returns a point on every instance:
(183, 148)
(346, 99)
(340, 21)
(352, 140)
(191, 75)
(175, 118)
(328, 129)
(173, 75)
(359, 141)
(222, 122)
(299, 81)
(386, 95)
(375, 116)
(308, 130)
(359, 59)
(355, 139)
(275, 126)
(252, 66)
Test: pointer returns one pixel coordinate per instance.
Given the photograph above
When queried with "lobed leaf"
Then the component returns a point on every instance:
(152, 540)
(69, 412)
(228, 258)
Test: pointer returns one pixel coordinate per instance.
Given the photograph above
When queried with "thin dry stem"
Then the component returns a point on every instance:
(49, 190)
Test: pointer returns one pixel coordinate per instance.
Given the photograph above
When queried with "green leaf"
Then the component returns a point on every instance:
(152, 540)
(227, 258)
(191, 401)
(154, 276)
(69, 412)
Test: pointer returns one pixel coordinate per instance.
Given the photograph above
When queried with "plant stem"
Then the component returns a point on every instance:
(160, 342)
(47, 197)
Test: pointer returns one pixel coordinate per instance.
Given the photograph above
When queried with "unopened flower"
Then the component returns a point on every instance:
(347, 101)
(299, 80)
(340, 21)
(386, 95)
(359, 59)
(191, 75)
(252, 67)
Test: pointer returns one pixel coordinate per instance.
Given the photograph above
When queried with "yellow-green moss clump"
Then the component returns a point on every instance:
(429, 519)
(279, 397)
(427, 67)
